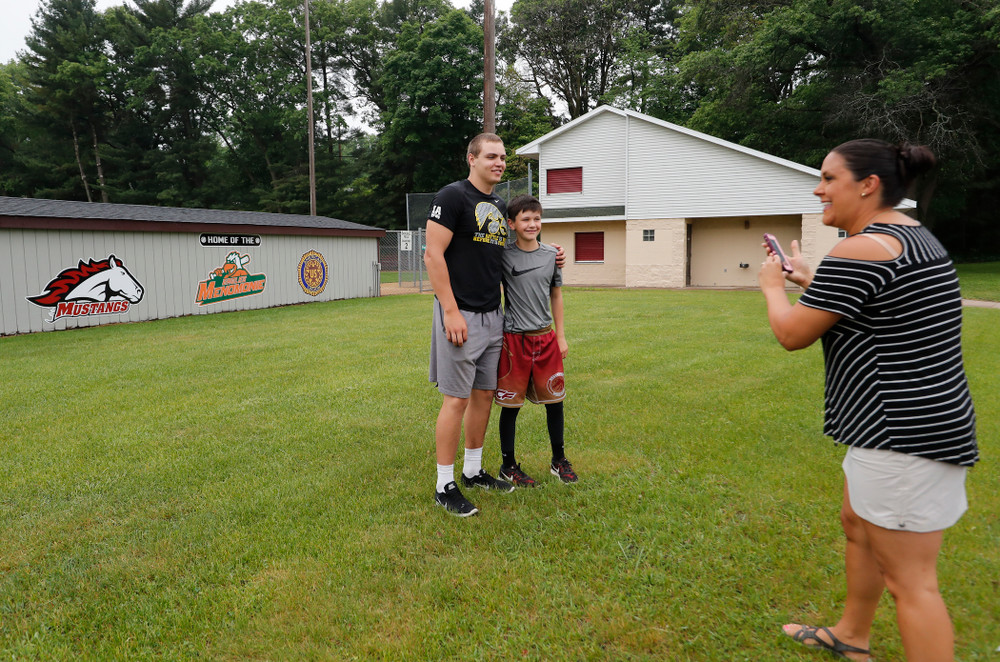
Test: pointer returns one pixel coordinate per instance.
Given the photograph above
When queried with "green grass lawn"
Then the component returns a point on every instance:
(396, 276)
(258, 485)
(404, 278)
(980, 280)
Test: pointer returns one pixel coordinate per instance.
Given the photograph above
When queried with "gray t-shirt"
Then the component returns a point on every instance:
(528, 278)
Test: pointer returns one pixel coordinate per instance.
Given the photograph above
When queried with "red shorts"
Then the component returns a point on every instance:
(530, 366)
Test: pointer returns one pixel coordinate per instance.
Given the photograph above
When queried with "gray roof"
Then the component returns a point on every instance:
(68, 209)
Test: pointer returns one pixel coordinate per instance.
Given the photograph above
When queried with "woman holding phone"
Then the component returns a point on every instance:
(886, 304)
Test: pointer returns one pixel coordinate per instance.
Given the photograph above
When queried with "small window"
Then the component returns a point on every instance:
(564, 180)
(589, 246)
(649, 235)
(841, 234)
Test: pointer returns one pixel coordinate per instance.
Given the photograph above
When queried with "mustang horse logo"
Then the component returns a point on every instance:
(102, 287)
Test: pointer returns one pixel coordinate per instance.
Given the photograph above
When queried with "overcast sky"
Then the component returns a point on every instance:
(17, 14)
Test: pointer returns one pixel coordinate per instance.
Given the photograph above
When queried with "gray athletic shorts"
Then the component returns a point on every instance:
(458, 370)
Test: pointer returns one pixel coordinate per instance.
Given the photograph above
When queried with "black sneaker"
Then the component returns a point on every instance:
(454, 502)
(515, 476)
(487, 482)
(564, 470)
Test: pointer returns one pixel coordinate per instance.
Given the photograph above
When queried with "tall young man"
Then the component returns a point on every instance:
(466, 236)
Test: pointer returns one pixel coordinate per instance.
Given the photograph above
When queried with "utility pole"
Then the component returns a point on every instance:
(489, 69)
(309, 111)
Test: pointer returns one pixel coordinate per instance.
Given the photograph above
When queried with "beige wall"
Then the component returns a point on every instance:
(657, 263)
(720, 245)
(817, 239)
(609, 273)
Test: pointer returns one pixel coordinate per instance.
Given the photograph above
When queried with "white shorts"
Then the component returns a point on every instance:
(904, 492)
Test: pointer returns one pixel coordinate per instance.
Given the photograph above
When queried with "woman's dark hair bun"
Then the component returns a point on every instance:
(897, 166)
(914, 160)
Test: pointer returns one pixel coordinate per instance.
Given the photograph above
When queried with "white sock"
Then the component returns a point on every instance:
(473, 461)
(446, 474)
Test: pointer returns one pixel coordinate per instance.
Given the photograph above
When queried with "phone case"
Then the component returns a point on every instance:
(772, 243)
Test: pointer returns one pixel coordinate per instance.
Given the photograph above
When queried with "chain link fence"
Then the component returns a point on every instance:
(401, 252)
(401, 256)
(418, 205)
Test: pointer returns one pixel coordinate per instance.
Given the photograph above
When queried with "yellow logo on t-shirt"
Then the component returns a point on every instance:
(491, 223)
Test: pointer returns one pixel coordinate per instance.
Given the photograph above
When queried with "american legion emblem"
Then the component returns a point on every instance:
(313, 273)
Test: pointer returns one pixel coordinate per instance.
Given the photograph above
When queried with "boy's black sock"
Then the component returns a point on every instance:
(554, 421)
(508, 427)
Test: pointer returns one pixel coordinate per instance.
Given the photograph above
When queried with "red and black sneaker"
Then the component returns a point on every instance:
(564, 470)
(486, 482)
(516, 477)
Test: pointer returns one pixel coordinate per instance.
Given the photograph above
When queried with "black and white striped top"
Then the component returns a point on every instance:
(894, 373)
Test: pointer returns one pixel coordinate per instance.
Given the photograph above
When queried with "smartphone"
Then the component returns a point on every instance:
(772, 243)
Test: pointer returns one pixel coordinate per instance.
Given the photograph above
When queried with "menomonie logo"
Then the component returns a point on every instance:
(102, 287)
(230, 281)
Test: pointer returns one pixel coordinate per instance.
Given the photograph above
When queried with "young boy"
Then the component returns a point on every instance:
(531, 363)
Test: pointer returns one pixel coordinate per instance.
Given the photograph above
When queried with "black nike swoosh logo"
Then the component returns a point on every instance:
(515, 272)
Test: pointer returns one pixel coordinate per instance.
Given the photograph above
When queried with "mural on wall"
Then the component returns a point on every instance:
(313, 273)
(230, 281)
(91, 288)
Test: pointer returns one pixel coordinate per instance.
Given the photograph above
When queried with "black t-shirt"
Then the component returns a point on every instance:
(475, 255)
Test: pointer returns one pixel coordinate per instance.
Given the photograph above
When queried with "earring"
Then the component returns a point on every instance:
(864, 195)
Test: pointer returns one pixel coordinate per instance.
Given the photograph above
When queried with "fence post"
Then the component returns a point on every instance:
(419, 250)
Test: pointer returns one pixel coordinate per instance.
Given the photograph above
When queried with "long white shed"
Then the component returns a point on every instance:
(67, 264)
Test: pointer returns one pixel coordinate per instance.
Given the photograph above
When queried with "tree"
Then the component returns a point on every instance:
(370, 33)
(522, 116)
(252, 65)
(797, 77)
(571, 47)
(11, 130)
(252, 60)
(65, 73)
(433, 94)
(647, 70)
(160, 102)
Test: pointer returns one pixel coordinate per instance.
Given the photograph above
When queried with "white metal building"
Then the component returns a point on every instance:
(639, 202)
(71, 264)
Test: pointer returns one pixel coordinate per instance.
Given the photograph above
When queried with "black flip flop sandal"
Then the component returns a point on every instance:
(836, 646)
